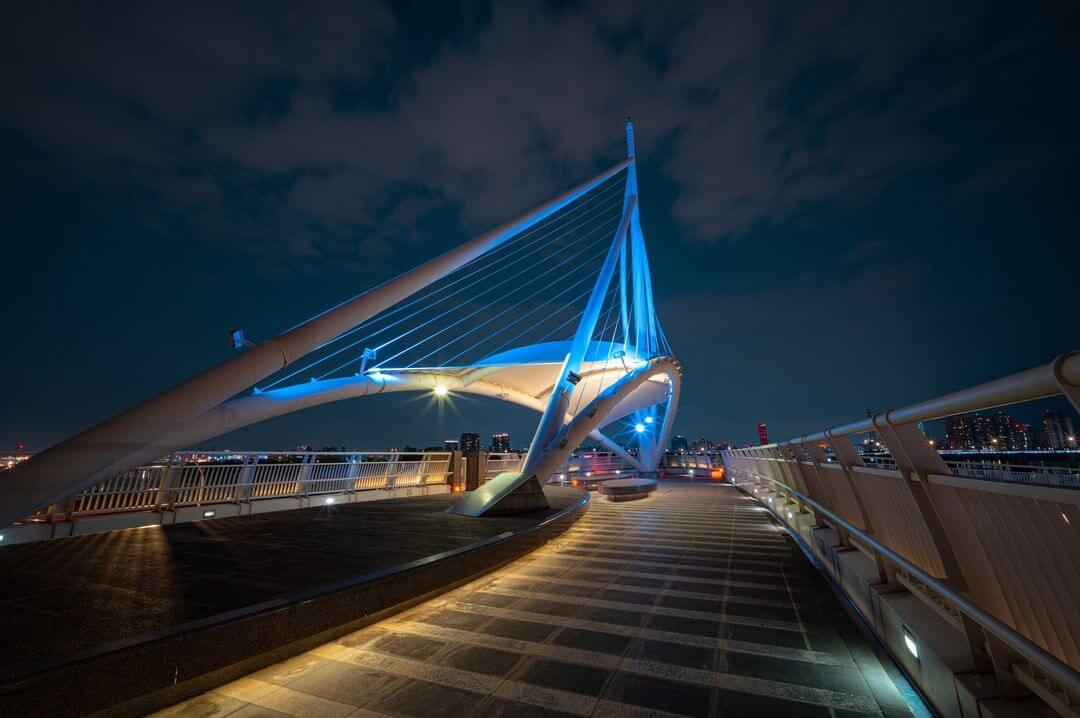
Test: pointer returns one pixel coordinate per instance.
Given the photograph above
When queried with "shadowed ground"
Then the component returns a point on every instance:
(66, 595)
(691, 602)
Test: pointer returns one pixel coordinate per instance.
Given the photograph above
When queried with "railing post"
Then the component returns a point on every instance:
(161, 501)
(457, 473)
(353, 472)
(243, 481)
(849, 458)
(391, 472)
(303, 474)
(916, 461)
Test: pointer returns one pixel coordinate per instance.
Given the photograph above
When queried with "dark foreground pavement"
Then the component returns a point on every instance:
(690, 602)
(68, 595)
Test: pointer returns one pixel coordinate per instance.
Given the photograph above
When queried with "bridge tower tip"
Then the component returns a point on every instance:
(629, 137)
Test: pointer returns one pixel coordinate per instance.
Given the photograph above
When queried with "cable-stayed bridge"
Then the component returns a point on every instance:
(552, 311)
(952, 584)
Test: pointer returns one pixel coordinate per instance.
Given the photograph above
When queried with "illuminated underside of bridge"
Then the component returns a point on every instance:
(552, 311)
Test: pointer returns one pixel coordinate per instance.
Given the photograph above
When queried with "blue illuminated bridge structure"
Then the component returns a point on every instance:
(855, 571)
(551, 311)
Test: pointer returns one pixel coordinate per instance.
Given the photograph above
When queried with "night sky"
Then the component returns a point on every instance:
(847, 205)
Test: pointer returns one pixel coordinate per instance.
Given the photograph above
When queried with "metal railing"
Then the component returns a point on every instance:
(197, 478)
(995, 546)
(990, 470)
(497, 463)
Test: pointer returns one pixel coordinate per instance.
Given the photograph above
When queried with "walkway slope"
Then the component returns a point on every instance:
(691, 602)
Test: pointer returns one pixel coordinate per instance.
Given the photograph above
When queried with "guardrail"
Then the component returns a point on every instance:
(999, 557)
(600, 465)
(198, 478)
(991, 470)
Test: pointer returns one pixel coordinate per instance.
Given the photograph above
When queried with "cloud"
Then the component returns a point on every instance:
(230, 116)
(863, 251)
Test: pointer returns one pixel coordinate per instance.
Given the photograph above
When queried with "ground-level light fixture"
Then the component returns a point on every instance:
(912, 646)
(441, 390)
(209, 514)
(329, 500)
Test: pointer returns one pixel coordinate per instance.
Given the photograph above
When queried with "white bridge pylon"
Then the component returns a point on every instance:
(608, 364)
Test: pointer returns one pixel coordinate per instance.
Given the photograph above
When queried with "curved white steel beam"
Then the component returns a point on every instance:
(73, 464)
(248, 410)
(551, 456)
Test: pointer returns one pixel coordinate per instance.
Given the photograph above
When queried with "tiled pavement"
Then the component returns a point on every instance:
(690, 602)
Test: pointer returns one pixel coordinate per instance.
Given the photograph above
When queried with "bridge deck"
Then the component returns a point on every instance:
(691, 602)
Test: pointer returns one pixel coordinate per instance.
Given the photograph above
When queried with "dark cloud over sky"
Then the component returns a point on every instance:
(847, 204)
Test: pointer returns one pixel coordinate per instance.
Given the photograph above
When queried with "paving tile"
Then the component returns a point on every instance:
(522, 630)
(677, 654)
(408, 646)
(253, 711)
(550, 608)
(492, 707)
(491, 599)
(209, 705)
(613, 615)
(587, 640)
(344, 683)
(564, 676)
(480, 659)
(453, 619)
(735, 703)
(678, 624)
(659, 694)
(424, 700)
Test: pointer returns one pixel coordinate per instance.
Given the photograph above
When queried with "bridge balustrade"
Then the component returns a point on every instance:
(991, 548)
(196, 479)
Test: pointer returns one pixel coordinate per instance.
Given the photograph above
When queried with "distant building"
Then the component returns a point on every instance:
(500, 443)
(1001, 432)
(470, 442)
(763, 434)
(1023, 438)
(680, 445)
(702, 446)
(450, 445)
(1058, 430)
(980, 431)
(958, 433)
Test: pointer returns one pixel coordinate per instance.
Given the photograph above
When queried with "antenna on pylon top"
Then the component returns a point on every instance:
(629, 138)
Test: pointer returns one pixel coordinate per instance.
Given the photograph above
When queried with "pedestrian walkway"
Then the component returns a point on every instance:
(691, 602)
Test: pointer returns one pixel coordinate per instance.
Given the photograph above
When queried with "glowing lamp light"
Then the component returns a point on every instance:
(329, 500)
(648, 419)
(441, 390)
(913, 648)
(639, 428)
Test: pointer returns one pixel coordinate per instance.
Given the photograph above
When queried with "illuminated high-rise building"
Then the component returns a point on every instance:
(500, 443)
